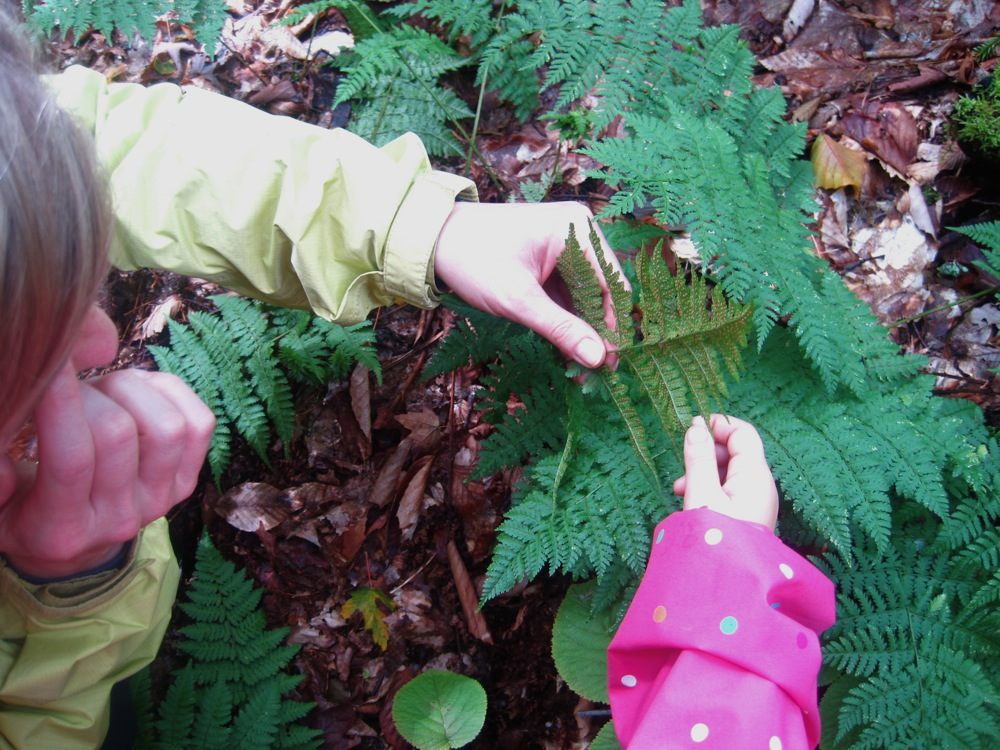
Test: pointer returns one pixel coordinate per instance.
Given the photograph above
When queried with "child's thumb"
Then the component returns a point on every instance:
(701, 470)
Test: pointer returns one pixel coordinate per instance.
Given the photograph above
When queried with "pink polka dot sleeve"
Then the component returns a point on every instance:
(720, 646)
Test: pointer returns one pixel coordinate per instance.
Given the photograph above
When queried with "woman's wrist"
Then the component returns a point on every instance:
(36, 571)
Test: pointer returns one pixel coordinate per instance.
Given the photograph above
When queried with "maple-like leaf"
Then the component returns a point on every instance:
(374, 605)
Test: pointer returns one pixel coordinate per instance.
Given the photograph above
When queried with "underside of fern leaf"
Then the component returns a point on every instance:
(688, 337)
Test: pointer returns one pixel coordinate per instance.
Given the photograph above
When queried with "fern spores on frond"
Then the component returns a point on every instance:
(587, 502)
(688, 337)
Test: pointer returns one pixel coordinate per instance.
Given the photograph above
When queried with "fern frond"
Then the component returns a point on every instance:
(841, 460)
(128, 16)
(392, 77)
(215, 710)
(230, 693)
(232, 361)
(597, 518)
(458, 18)
(921, 662)
(987, 235)
(173, 729)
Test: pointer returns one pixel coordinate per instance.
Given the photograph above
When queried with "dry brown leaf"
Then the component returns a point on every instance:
(424, 427)
(384, 489)
(412, 503)
(886, 129)
(156, 321)
(467, 596)
(361, 403)
(835, 165)
(253, 505)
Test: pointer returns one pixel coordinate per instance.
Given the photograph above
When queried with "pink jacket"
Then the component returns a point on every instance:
(720, 646)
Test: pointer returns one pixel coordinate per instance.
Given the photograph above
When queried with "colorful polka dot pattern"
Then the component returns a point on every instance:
(677, 612)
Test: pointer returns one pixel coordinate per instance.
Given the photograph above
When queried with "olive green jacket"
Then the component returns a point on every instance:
(267, 206)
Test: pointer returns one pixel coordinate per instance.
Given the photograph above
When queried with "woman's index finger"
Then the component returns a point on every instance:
(65, 445)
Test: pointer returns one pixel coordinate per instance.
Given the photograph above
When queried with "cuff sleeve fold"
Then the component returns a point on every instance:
(720, 646)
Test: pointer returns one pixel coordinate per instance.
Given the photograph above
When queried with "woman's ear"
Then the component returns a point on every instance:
(96, 341)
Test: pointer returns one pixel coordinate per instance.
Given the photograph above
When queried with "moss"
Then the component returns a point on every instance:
(977, 118)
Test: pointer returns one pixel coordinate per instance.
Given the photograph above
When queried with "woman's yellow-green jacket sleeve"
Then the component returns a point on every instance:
(63, 645)
(265, 205)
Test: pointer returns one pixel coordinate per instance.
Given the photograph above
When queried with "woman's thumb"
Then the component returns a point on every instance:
(570, 334)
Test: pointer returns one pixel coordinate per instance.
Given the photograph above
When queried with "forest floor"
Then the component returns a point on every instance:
(373, 491)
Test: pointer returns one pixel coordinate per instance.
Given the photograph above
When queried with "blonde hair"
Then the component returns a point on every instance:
(55, 226)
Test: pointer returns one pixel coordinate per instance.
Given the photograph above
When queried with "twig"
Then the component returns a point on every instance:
(963, 300)
(418, 572)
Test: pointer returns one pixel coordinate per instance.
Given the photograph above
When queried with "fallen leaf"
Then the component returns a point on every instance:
(467, 596)
(835, 165)
(253, 505)
(887, 130)
(412, 503)
(361, 401)
(156, 321)
(384, 489)
(374, 605)
(424, 427)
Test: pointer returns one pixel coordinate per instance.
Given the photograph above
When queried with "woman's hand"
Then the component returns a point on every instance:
(501, 258)
(114, 454)
(726, 470)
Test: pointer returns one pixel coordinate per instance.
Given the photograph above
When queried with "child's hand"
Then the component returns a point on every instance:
(115, 454)
(501, 258)
(728, 473)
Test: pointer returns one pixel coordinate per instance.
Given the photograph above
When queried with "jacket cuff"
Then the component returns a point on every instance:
(716, 586)
(408, 261)
(75, 595)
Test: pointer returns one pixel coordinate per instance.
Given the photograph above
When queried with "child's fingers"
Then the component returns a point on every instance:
(721, 460)
(701, 469)
(748, 469)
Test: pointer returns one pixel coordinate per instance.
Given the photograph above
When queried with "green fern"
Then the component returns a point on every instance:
(73, 18)
(230, 692)
(987, 235)
(909, 665)
(392, 79)
(233, 362)
(587, 502)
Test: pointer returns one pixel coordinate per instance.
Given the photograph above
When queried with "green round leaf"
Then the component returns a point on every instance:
(606, 739)
(580, 644)
(440, 710)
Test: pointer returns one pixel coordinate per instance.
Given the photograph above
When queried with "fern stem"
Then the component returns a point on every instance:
(956, 303)
(482, 95)
(475, 121)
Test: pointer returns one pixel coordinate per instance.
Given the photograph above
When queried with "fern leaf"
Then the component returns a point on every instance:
(256, 724)
(173, 728)
(393, 79)
(987, 235)
(215, 710)
(923, 679)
